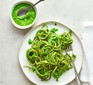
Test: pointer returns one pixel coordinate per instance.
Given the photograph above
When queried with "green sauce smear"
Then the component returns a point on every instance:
(26, 19)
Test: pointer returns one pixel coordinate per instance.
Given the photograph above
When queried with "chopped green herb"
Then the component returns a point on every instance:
(54, 30)
(29, 41)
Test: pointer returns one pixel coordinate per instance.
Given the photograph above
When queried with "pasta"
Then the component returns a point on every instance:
(46, 56)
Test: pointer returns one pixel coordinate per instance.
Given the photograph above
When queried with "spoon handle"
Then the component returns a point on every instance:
(35, 4)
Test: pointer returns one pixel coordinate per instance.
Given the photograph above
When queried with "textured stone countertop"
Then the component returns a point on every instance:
(69, 12)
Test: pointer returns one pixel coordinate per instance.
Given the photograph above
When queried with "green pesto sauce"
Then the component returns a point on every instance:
(26, 19)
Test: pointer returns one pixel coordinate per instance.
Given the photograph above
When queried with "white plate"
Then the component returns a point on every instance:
(67, 76)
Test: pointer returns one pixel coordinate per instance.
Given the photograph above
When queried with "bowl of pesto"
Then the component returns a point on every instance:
(25, 21)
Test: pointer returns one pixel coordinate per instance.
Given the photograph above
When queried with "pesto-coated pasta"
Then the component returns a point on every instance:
(46, 55)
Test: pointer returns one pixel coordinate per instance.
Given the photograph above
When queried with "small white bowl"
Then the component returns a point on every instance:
(15, 24)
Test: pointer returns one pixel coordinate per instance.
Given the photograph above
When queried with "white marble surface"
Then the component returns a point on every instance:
(69, 12)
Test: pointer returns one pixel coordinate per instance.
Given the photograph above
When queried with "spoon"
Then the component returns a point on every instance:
(23, 11)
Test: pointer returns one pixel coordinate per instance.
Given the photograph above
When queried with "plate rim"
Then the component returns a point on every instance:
(38, 26)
